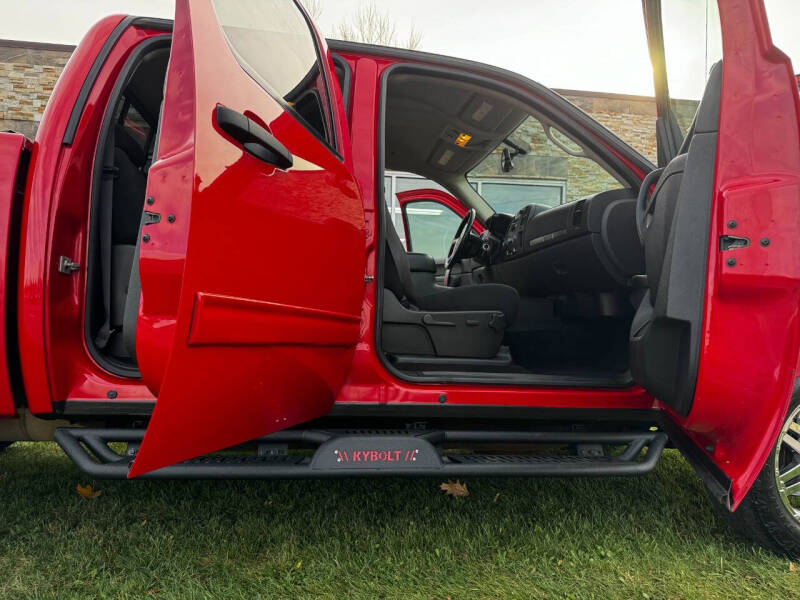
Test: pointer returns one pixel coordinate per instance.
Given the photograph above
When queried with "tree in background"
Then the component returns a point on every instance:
(314, 8)
(367, 25)
(370, 25)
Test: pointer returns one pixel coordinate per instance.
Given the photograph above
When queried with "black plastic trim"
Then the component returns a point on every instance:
(153, 23)
(97, 65)
(487, 412)
(13, 359)
(346, 85)
(718, 483)
(118, 408)
(334, 143)
(484, 413)
(91, 77)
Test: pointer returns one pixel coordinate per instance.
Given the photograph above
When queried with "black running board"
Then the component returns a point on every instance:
(349, 453)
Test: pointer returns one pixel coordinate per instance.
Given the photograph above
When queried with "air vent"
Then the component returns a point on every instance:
(577, 213)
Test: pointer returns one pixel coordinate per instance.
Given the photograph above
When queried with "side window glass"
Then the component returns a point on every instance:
(273, 43)
(431, 227)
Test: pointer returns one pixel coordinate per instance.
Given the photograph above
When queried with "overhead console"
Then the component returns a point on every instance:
(590, 245)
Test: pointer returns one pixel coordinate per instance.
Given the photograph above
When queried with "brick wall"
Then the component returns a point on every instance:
(28, 72)
(632, 118)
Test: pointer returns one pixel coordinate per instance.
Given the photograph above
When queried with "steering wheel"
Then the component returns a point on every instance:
(644, 204)
(460, 239)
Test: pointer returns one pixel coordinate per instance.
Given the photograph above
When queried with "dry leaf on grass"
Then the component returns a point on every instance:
(87, 491)
(455, 489)
(792, 568)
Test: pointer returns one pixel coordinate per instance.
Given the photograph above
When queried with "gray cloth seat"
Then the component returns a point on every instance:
(129, 192)
(484, 296)
(120, 207)
(479, 297)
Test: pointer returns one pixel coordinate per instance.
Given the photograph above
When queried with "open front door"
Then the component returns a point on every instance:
(716, 338)
(251, 258)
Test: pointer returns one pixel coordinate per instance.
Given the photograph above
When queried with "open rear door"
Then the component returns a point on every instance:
(717, 336)
(251, 258)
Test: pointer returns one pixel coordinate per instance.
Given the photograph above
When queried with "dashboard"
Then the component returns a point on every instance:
(590, 245)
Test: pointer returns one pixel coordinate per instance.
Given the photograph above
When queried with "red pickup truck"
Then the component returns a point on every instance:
(198, 256)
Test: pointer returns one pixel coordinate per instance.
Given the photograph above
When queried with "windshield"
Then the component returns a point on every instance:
(538, 164)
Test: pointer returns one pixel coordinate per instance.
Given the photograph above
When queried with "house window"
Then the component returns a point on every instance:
(510, 195)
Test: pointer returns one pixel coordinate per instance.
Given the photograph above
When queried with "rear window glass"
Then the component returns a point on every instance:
(274, 45)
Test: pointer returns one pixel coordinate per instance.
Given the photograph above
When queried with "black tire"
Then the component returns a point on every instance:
(762, 516)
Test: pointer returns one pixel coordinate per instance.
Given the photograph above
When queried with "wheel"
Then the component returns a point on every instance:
(770, 513)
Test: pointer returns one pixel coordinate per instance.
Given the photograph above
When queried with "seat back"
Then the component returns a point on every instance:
(666, 330)
(397, 274)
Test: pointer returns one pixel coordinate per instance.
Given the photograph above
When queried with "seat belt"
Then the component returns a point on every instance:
(104, 223)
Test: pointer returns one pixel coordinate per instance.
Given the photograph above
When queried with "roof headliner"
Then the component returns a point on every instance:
(425, 114)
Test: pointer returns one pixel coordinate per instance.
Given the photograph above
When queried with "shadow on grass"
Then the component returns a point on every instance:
(653, 536)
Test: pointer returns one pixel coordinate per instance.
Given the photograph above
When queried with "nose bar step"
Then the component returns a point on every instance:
(371, 453)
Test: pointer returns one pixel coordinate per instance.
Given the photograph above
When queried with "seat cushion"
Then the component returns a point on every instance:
(484, 296)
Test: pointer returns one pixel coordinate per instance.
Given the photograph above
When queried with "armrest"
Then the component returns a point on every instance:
(421, 263)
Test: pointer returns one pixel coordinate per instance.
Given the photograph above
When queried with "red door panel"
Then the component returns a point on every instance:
(253, 278)
(751, 326)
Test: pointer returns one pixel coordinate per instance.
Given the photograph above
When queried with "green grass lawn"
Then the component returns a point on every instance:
(648, 537)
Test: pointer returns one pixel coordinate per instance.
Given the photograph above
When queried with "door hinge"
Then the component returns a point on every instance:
(67, 266)
(732, 242)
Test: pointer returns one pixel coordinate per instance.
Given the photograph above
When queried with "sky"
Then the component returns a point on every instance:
(596, 45)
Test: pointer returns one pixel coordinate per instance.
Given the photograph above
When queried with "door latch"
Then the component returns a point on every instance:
(732, 242)
(67, 266)
(151, 218)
